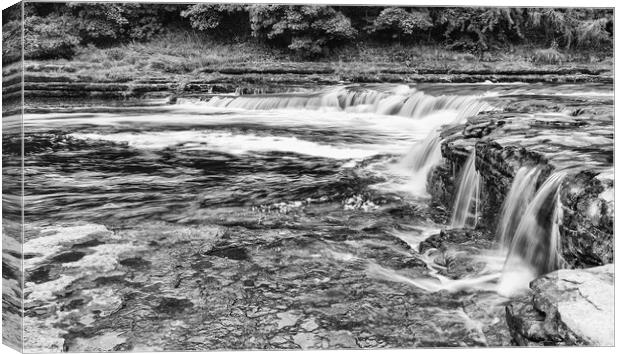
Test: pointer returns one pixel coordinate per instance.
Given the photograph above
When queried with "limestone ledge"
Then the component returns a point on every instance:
(566, 307)
(570, 137)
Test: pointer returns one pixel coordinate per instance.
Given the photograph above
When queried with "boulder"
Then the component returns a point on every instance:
(567, 307)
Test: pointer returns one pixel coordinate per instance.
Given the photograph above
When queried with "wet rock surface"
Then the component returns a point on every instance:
(63, 85)
(172, 287)
(557, 133)
(339, 266)
(566, 307)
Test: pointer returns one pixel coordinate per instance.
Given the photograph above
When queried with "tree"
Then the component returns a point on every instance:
(398, 22)
(477, 29)
(103, 23)
(307, 30)
(220, 19)
(49, 37)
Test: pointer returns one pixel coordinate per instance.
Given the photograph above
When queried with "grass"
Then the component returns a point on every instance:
(186, 53)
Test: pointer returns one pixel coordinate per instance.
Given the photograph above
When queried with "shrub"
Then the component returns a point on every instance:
(103, 23)
(221, 19)
(477, 29)
(397, 22)
(49, 37)
(307, 30)
(586, 28)
(11, 41)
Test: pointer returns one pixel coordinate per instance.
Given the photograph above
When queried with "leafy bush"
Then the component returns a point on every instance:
(397, 22)
(11, 41)
(586, 28)
(222, 19)
(477, 29)
(49, 37)
(307, 30)
(104, 23)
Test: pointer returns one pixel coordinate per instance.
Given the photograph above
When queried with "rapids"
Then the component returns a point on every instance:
(329, 184)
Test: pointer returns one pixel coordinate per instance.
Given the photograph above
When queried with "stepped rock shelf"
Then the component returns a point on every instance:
(555, 135)
(57, 84)
(340, 265)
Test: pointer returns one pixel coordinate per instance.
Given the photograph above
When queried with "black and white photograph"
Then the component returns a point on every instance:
(227, 176)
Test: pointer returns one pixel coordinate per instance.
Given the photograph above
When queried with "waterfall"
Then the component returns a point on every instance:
(467, 196)
(534, 248)
(536, 239)
(399, 100)
(419, 161)
(422, 156)
(520, 195)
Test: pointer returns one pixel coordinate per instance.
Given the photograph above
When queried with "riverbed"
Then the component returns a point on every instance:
(282, 221)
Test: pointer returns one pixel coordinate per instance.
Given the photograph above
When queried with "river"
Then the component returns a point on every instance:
(273, 221)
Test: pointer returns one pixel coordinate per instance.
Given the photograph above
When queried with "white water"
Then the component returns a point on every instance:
(519, 197)
(468, 194)
(537, 237)
(238, 144)
(528, 239)
(400, 100)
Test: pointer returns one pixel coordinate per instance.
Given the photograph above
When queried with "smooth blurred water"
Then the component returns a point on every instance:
(355, 150)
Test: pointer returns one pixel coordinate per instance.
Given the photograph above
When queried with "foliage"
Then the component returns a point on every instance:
(11, 42)
(105, 22)
(571, 27)
(307, 30)
(477, 29)
(49, 37)
(313, 31)
(397, 22)
(222, 19)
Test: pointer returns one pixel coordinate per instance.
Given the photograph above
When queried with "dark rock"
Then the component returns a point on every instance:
(134, 262)
(40, 274)
(236, 253)
(68, 257)
(170, 305)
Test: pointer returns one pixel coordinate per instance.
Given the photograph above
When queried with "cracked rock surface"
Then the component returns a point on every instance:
(569, 307)
(171, 287)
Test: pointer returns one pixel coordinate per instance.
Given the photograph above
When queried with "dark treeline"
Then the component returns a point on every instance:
(54, 30)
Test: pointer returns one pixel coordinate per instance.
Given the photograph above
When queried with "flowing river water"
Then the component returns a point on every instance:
(314, 205)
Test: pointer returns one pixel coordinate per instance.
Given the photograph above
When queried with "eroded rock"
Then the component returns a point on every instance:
(571, 307)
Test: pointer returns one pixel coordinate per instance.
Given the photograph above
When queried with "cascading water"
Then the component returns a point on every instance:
(520, 195)
(534, 248)
(536, 239)
(401, 100)
(422, 155)
(385, 100)
(465, 209)
(528, 232)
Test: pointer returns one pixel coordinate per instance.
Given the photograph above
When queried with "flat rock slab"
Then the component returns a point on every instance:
(574, 307)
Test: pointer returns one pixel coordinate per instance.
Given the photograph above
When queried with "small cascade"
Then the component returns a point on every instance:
(465, 209)
(520, 195)
(424, 154)
(419, 161)
(534, 248)
(397, 100)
